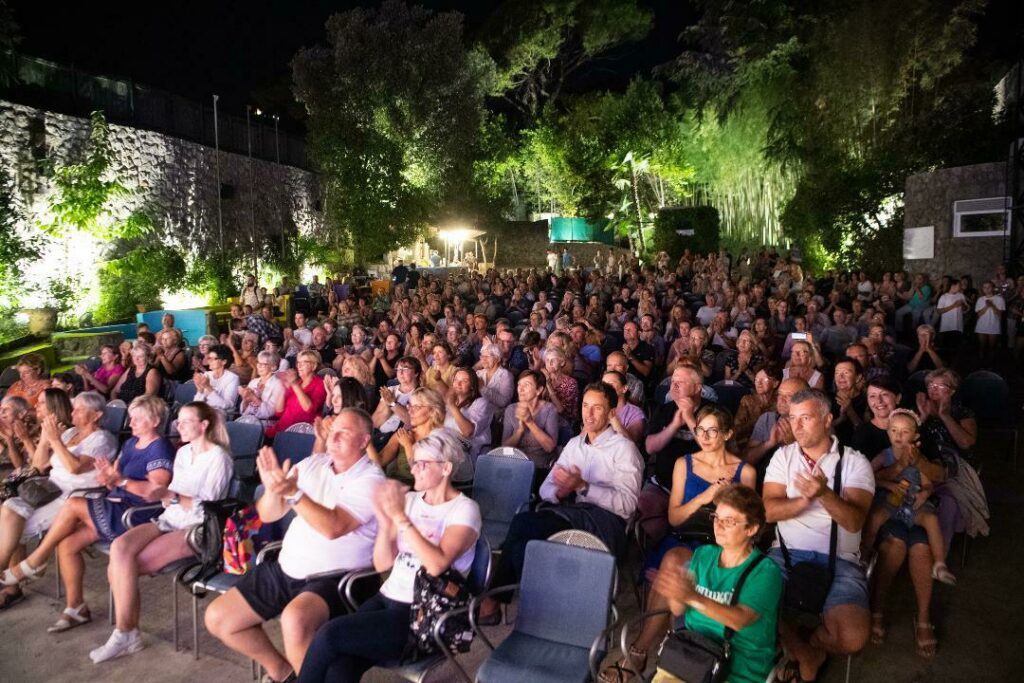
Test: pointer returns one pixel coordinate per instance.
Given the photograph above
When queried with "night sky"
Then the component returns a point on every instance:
(241, 49)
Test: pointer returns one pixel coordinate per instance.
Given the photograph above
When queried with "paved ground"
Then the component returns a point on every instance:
(978, 621)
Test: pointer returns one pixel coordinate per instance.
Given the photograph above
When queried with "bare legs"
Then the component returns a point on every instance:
(142, 550)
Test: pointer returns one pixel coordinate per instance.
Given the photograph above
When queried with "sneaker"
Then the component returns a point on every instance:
(119, 644)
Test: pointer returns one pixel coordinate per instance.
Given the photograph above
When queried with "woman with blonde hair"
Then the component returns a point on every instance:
(170, 355)
(202, 472)
(31, 381)
(304, 395)
(427, 412)
(141, 378)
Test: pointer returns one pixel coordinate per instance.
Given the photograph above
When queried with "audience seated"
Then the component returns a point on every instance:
(31, 378)
(106, 375)
(217, 387)
(141, 378)
(304, 394)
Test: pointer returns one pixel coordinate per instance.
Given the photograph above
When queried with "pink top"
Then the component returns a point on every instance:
(103, 374)
(293, 412)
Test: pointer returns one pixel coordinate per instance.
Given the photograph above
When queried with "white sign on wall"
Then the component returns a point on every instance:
(919, 243)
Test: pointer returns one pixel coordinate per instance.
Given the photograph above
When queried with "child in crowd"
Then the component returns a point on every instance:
(904, 490)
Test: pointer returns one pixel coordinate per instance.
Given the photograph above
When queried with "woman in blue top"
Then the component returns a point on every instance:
(701, 593)
(696, 478)
(143, 470)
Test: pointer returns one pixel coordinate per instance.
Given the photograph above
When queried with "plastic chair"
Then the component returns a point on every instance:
(501, 488)
(245, 440)
(730, 394)
(184, 393)
(114, 417)
(559, 634)
(988, 395)
(302, 428)
(912, 387)
(580, 539)
(294, 446)
(478, 579)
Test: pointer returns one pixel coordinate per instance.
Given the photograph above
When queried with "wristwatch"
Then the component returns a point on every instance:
(294, 498)
(175, 499)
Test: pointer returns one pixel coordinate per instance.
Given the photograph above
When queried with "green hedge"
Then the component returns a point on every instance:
(702, 220)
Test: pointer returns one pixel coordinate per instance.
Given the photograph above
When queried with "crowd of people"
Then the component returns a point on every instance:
(730, 408)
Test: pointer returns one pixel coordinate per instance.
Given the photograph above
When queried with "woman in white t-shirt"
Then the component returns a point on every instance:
(989, 307)
(202, 472)
(434, 528)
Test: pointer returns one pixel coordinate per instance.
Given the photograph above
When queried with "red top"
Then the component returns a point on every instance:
(293, 412)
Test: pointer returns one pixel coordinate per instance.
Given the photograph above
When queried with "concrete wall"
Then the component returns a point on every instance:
(928, 200)
(174, 178)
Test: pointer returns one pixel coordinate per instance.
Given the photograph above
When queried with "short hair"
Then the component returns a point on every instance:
(90, 400)
(950, 376)
(442, 445)
(270, 358)
(359, 368)
(858, 369)
(604, 389)
(617, 375)
(365, 421)
(224, 353)
(721, 415)
(20, 405)
(819, 397)
(154, 406)
(445, 346)
(146, 350)
(886, 383)
(537, 376)
(492, 350)
(209, 338)
(745, 501)
(33, 361)
(433, 400)
(411, 362)
(309, 354)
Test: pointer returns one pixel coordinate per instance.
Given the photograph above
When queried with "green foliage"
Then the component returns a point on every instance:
(212, 276)
(16, 248)
(137, 279)
(395, 103)
(702, 220)
(83, 191)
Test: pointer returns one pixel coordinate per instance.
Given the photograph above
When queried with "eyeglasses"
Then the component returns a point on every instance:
(420, 464)
(710, 432)
(211, 357)
(403, 369)
(939, 386)
(727, 522)
(416, 406)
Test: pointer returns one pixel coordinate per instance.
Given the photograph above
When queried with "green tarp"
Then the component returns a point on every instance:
(578, 230)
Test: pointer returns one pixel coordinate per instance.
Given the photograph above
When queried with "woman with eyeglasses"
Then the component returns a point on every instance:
(260, 398)
(217, 387)
(698, 588)
(426, 412)
(754, 405)
(391, 412)
(304, 394)
(433, 527)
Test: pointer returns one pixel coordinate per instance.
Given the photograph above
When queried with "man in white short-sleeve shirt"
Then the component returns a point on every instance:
(333, 530)
(799, 496)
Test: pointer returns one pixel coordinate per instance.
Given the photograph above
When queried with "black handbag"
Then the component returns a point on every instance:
(38, 491)
(433, 597)
(694, 658)
(808, 583)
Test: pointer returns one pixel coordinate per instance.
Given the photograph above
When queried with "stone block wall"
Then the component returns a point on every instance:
(175, 179)
(928, 200)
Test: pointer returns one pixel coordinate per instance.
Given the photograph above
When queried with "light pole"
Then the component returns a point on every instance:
(216, 147)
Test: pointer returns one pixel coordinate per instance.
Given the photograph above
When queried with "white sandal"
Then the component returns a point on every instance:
(940, 572)
(70, 618)
(28, 573)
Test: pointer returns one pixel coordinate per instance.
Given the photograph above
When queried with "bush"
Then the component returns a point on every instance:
(702, 220)
(137, 279)
(213, 277)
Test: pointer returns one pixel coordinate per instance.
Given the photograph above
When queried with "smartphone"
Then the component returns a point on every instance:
(799, 336)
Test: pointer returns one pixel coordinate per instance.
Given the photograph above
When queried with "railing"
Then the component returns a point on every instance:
(53, 87)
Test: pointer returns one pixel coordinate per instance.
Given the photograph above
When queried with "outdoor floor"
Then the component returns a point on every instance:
(978, 623)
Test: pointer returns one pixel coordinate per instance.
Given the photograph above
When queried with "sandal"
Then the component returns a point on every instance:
(620, 672)
(940, 572)
(70, 618)
(28, 573)
(925, 646)
(11, 599)
(877, 628)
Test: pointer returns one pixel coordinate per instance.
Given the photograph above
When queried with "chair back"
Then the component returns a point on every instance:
(987, 394)
(8, 377)
(185, 393)
(294, 446)
(479, 578)
(566, 593)
(912, 387)
(114, 417)
(248, 419)
(501, 485)
(302, 428)
(245, 439)
(730, 394)
(580, 539)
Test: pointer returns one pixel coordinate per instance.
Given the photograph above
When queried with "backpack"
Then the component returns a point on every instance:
(242, 540)
(206, 542)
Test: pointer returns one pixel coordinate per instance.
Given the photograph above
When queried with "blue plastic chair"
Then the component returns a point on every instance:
(245, 439)
(501, 487)
(114, 417)
(294, 446)
(565, 602)
(730, 394)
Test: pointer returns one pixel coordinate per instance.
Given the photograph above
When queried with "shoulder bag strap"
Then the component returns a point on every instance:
(736, 595)
(837, 486)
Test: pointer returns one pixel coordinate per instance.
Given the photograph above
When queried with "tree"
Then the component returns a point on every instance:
(395, 104)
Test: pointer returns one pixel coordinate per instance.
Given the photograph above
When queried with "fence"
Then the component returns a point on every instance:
(46, 85)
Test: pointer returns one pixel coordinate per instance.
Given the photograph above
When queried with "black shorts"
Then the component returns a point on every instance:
(268, 590)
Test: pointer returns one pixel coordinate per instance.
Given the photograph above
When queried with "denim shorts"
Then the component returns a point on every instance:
(901, 532)
(849, 585)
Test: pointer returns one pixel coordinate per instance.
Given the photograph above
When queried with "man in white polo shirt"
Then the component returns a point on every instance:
(333, 531)
(799, 494)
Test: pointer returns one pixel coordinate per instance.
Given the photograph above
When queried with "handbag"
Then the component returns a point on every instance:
(433, 597)
(808, 583)
(38, 491)
(694, 658)
(11, 482)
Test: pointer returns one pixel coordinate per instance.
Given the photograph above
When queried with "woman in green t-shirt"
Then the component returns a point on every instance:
(702, 592)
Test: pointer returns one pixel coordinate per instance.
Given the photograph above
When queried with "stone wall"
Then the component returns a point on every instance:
(174, 178)
(928, 200)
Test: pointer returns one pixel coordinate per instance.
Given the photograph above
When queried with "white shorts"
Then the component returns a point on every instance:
(37, 520)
